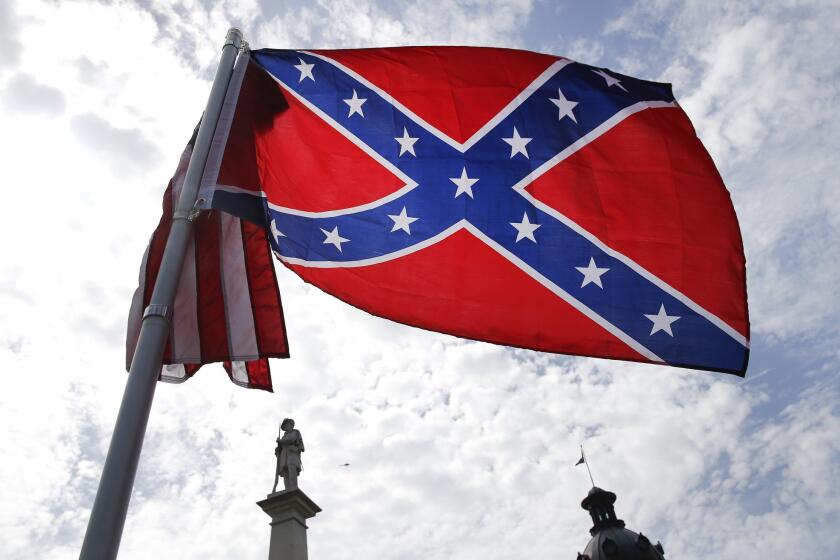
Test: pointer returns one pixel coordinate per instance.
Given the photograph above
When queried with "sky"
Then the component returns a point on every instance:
(457, 449)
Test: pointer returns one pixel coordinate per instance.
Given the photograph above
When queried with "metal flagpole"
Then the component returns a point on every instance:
(102, 539)
(586, 462)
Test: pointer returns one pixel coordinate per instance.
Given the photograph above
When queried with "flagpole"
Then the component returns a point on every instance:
(585, 462)
(107, 518)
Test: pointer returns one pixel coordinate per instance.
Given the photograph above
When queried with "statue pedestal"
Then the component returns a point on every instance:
(289, 510)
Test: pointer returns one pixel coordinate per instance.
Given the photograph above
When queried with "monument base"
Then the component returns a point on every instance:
(289, 510)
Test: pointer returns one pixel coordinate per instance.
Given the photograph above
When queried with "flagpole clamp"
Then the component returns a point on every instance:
(190, 215)
(158, 310)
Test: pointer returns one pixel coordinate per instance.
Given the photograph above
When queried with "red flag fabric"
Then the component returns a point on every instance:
(227, 306)
(499, 195)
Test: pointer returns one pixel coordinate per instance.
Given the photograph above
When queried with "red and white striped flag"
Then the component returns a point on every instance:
(227, 307)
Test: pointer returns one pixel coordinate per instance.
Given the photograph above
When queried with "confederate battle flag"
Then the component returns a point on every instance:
(493, 194)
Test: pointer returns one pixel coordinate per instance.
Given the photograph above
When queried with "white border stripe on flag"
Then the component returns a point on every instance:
(239, 315)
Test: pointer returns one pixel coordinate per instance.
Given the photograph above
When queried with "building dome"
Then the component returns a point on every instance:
(610, 539)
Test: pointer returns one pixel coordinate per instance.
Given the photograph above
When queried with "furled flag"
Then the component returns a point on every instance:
(499, 195)
(227, 306)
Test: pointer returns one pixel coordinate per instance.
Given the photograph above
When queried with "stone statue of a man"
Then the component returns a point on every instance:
(288, 450)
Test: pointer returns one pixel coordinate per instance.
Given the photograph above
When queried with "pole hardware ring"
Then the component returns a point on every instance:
(157, 310)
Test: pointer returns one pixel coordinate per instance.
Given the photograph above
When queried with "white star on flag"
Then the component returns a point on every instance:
(276, 233)
(402, 221)
(591, 273)
(517, 144)
(406, 143)
(662, 321)
(566, 107)
(464, 184)
(611, 81)
(305, 70)
(334, 238)
(355, 103)
(525, 229)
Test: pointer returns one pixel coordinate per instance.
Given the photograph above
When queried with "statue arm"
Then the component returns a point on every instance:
(291, 438)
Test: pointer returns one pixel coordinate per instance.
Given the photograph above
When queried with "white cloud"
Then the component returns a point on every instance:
(127, 149)
(364, 24)
(10, 47)
(24, 94)
(584, 50)
(456, 449)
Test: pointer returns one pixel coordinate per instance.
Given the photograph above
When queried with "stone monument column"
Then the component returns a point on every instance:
(289, 508)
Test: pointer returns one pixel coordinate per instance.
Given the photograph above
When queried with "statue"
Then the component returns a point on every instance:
(288, 450)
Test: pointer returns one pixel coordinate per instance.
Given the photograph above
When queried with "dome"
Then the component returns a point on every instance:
(618, 543)
(610, 539)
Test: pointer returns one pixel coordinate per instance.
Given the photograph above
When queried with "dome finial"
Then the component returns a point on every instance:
(599, 504)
